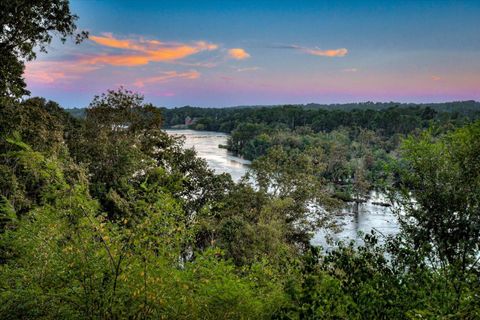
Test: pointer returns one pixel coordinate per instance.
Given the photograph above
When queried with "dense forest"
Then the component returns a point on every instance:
(357, 140)
(319, 117)
(106, 216)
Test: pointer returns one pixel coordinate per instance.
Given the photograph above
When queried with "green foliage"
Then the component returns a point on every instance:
(107, 217)
(387, 119)
(66, 260)
(26, 26)
(439, 193)
(130, 225)
(357, 139)
(296, 179)
(167, 238)
(41, 124)
(443, 176)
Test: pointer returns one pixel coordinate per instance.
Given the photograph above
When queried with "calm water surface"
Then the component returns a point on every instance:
(370, 216)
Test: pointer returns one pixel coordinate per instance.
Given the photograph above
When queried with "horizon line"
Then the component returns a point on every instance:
(295, 104)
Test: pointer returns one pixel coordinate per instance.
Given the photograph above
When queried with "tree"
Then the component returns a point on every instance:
(440, 197)
(360, 186)
(443, 176)
(27, 25)
(64, 259)
(122, 144)
(41, 124)
(113, 141)
(296, 178)
(40, 127)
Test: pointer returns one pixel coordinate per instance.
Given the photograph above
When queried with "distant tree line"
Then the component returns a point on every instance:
(390, 117)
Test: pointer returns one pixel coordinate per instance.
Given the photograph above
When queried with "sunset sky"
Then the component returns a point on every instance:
(227, 53)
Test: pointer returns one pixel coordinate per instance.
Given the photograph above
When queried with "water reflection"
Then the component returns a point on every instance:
(371, 216)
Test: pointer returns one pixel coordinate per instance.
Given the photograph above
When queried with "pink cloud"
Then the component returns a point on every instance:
(341, 52)
(50, 72)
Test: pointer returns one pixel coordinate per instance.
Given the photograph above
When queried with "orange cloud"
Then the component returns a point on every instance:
(238, 54)
(166, 76)
(117, 60)
(436, 78)
(326, 53)
(128, 53)
(141, 51)
(109, 41)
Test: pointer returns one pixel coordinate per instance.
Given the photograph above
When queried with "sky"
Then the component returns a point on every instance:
(229, 53)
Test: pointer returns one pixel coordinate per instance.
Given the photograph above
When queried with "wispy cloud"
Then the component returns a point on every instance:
(238, 54)
(350, 70)
(141, 51)
(436, 78)
(247, 69)
(197, 64)
(341, 52)
(50, 72)
(166, 76)
(114, 51)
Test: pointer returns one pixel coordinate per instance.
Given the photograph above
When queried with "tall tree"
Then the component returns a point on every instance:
(443, 177)
(116, 129)
(441, 205)
(27, 25)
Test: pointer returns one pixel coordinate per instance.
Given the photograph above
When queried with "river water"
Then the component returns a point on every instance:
(370, 216)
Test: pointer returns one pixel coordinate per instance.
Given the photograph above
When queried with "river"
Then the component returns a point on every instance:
(370, 216)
